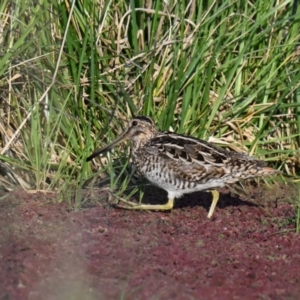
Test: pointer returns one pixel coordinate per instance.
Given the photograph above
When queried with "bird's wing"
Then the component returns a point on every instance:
(197, 160)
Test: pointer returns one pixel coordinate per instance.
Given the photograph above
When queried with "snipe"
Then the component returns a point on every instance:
(182, 164)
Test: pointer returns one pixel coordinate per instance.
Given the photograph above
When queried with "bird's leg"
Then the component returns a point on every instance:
(215, 199)
(167, 206)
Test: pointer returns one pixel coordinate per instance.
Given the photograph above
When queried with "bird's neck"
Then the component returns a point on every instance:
(138, 144)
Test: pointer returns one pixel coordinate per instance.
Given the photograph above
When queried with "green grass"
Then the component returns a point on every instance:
(71, 75)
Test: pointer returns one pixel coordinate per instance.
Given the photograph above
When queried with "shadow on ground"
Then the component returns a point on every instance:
(100, 252)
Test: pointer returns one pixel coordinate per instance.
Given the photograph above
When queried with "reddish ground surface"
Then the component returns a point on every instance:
(246, 251)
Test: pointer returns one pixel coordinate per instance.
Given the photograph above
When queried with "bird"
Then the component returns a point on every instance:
(181, 164)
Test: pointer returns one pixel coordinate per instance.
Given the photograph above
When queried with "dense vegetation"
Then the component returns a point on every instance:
(72, 74)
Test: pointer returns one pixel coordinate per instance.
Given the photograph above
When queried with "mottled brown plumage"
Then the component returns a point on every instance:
(182, 164)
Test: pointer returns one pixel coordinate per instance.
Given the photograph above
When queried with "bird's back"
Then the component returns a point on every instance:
(182, 163)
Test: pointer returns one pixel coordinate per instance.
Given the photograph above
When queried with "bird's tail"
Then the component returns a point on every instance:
(269, 171)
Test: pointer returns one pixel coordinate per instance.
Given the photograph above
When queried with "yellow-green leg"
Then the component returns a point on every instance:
(167, 206)
(215, 199)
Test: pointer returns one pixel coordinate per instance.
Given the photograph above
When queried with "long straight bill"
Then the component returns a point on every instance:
(121, 138)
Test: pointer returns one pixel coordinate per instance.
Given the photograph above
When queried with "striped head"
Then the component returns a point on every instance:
(140, 130)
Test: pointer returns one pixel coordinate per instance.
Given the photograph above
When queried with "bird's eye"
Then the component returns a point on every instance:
(134, 123)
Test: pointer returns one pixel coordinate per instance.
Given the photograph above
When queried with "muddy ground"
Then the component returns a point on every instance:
(248, 250)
